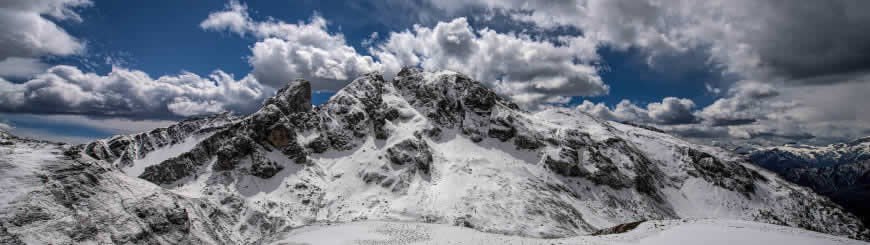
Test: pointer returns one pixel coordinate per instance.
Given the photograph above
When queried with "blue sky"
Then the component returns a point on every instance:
(163, 38)
(673, 74)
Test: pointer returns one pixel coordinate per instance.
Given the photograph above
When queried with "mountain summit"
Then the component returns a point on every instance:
(433, 147)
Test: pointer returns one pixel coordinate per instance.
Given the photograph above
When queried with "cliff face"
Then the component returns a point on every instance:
(427, 146)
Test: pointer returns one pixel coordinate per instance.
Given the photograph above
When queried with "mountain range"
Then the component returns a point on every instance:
(840, 171)
(432, 147)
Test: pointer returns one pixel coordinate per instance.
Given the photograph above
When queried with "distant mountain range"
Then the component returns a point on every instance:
(840, 171)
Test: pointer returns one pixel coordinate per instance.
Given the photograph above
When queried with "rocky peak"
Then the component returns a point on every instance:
(409, 70)
(125, 149)
(295, 97)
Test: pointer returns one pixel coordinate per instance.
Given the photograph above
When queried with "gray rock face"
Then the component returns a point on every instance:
(127, 148)
(414, 152)
(295, 97)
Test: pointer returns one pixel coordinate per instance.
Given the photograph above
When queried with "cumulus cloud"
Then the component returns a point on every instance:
(370, 40)
(287, 51)
(27, 32)
(699, 132)
(830, 113)
(712, 90)
(530, 71)
(756, 113)
(745, 104)
(15, 67)
(762, 40)
(792, 71)
(130, 94)
(624, 111)
(671, 111)
(527, 70)
(234, 18)
(764, 114)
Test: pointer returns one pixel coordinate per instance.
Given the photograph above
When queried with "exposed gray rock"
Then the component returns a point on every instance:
(414, 152)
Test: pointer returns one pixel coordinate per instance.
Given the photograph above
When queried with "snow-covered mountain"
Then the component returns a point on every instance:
(433, 147)
(795, 155)
(659, 232)
(840, 171)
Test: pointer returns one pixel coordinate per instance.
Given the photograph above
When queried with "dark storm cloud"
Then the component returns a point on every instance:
(814, 38)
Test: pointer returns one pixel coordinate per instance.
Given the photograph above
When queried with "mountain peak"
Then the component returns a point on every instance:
(408, 70)
(294, 97)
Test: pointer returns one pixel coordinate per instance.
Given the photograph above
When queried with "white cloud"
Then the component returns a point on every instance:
(234, 19)
(798, 71)
(370, 40)
(745, 104)
(762, 114)
(757, 113)
(712, 90)
(26, 32)
(670, 111)
(624, 111)
(288, 51)
(15, 67)
(130, 94)
(759, 40)
(528, 71)
(829, 113)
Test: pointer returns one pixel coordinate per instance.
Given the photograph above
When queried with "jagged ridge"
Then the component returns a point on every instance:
(441, 147)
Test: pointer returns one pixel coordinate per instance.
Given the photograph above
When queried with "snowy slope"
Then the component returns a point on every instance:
(51, 194)
(434, 147)
(662, 232)
(21, 161)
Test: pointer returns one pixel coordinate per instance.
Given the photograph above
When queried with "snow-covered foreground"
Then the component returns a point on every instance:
(704, 231)
(20, 165)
